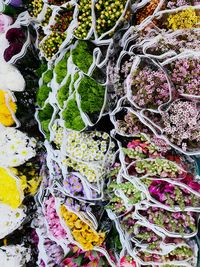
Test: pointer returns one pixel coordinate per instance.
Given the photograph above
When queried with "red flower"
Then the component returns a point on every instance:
(127, 262)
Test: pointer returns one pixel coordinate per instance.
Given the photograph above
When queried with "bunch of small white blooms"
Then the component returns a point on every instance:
(90, 146)
(182, 124)
(16, 147)
(10, 220)
(92, 172)
(14, 255)
(58, 134)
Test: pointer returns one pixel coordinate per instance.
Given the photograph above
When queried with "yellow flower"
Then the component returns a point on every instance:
(32, 185)
(11, 191)
(184, 19)
(6, 106)
(81, 231)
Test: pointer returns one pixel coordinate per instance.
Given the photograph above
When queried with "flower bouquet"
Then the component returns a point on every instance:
(117, 71)
(15, 254)
(84, 27)
(172, 196)
(181, 254)
(178, 125)
(148, 84)
(172, 224)
(171, 44)
(179, 18)
(158, 167)
(107, 22)
(81, 231)
(184, 74)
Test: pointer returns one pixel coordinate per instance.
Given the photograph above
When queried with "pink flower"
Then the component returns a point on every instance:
(69, 263)
(126, 262)
(5, 21)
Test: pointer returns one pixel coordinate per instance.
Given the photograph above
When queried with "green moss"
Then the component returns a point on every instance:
(72, 116)
(61, 68)
(92, 95)
(42, 94)
(47, 77)
(82, 56)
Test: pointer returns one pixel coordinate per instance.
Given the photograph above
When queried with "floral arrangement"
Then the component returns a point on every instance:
(81, 231)
(149, 87)
(8, 107)
(99, 133)
(16, 147)
(184, 19)
(184, 74)
(177, 42)
(180, 121)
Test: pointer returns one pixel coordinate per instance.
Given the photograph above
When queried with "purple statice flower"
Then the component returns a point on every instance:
(150, 88)
(185, 75)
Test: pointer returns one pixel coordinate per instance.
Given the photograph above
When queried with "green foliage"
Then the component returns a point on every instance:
(92, 95)
(63, 92)
(82, 56)
(61, 68)
(44, 116)
(41, 69)
(42, 94)
(45, 125)
(76, 76)
(72, 117)
(47, 77)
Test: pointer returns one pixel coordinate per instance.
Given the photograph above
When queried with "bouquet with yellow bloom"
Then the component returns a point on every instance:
(7, 108)
(87, 237)
(11, 190)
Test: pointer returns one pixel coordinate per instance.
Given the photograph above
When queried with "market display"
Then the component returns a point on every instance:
(99, 133)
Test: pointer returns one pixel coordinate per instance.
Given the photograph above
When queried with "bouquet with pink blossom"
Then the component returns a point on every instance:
(178, 223)
(185, 75)
(149, 86)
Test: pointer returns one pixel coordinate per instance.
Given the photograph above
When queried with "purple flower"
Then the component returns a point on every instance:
(77, 187)
(15, 35)
(12, 50)
(15, 3)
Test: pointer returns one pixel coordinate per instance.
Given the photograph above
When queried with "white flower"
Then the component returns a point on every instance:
(15, 147)
(10, 219)
(11, 78)
(14, 255)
